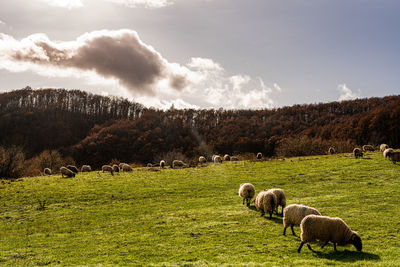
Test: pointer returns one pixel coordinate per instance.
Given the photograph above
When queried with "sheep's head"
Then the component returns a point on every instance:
(356, 241)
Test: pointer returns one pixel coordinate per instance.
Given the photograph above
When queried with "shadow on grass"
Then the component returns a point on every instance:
(347, 256)
(275, 218)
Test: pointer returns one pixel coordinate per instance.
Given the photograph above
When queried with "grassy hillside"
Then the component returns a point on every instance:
(194, 216)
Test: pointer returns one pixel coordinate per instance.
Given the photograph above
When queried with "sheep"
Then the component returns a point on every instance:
(162, 164)
(121, 164)
(357, 153)
(327, 229)
(280, 198)
(387, 150)
(72, 168)
(86, 168)
(227, 157)
(116, 168)
(259, 155)
(107, 168)
(234, 159)
(213, 157)
(294, 213)
(366, 148)
(47, 171)
(383, 147)
(394, 156)
(202, 160)
(247, 192)
(126, 167)
(266, 202)
(177, 163)
(331, 151)
(149, 165)
(217, 159)
(67, 172)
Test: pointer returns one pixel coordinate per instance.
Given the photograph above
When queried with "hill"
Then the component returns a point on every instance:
(195, 217)
(96, 129)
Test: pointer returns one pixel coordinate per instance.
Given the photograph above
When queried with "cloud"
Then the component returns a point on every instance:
(120, 63)
(69, 4)
(2, 23)
(346, 93)
(116, 55)
(143, 3)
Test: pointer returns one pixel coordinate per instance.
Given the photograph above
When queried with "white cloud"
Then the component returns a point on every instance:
(69, 4)
(121, 64)
(2, 23)
(143, 3)
(346, 93)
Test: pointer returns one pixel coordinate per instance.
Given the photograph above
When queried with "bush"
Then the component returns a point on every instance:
(11, 162)
(51, 159)
(169, 157)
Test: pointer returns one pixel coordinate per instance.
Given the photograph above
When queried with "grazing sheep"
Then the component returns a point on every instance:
(366, 148)
(247, 192)
(357, 153)
(383, 147)
(86, 168)
(126, 167)
(202, 160)
(394, 156)
(177, 163)
(234, 159)
(121, 164)
(327, 229)
(259, 155)
(331, 151)
(217, 159)
(162, 164)
(294, 213)
(280, 198)
(266, 202)
(387, 150)
(72, 168)
(107, 168)
(227, 157)
(149, 165)
(67, 172)
(116, 168)
(47, 171)
(213, 157)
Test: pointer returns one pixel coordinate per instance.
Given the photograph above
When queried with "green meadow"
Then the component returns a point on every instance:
(194, 216)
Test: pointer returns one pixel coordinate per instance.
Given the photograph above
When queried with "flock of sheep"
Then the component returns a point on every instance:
(313, 226)
(384, 148)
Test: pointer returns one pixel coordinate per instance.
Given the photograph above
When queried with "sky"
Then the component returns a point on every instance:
(232, 54)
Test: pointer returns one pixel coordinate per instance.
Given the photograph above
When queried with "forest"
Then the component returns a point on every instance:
(91, 129)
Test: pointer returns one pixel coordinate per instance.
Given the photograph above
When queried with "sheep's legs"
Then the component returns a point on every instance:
(243, 201)
(309, 247)
(248, 202)
(326, 243)
(262, 213)
(334, 246)
(284, 230)
(291, 227)
(270, 215)
(299, 249)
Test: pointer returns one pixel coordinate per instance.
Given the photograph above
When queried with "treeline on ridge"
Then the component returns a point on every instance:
(95, 129)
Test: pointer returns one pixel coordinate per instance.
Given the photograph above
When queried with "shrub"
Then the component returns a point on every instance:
(11, 162)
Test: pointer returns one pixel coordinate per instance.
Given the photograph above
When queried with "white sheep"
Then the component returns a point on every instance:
(162, 163)
(107, 168)
(121, 164)
(126, 167)
(202, 160)
(259, 155)
(294, 213)
(217, 159)
(280, 198)
(247, 192)
(327, 229)
(149, 165)
(386, 151)
(67, 172)
(266, 202)
(177, 163)
(331, 151)
(86, 168)
(227, 157)
(366, 148)
(234, 158)
(47, 171)
(383, 147)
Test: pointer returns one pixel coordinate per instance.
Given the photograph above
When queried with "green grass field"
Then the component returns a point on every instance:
(195, 216)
